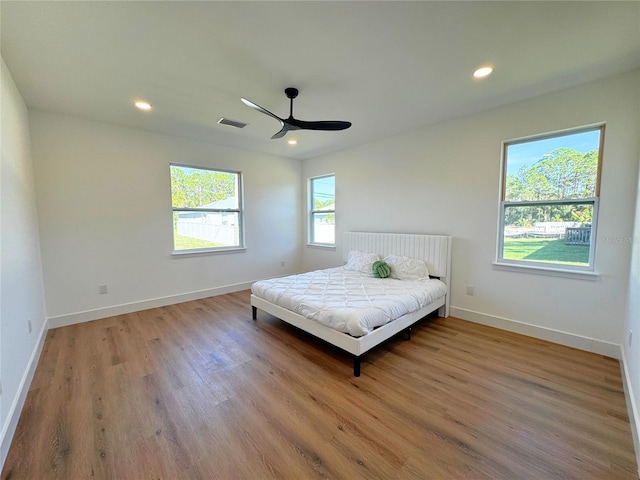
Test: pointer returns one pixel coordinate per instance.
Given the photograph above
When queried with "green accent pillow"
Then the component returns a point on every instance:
(381, 269)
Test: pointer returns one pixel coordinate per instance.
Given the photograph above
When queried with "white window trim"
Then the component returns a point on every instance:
(240, 211)
(311, 212)
(542, 268)
(207, 251)
(552, 270)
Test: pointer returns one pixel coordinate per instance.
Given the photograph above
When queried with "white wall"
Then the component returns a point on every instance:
(104, 207)
(444, 179)
(631, 349)
(21, 289)
(103, 194)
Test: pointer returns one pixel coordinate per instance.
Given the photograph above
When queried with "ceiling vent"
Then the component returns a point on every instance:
(231, 123)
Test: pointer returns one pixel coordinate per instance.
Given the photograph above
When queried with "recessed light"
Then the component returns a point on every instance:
(483, 71)
(292, 141)
(142, 105)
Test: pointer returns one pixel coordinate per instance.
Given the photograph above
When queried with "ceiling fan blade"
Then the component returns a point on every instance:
(285, 128)
(249, 103)
(291, 123)
(280, 134)
(329, 125)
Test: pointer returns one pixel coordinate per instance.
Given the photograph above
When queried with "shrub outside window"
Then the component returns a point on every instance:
(207, 209)
(549, 199)
(322, 210)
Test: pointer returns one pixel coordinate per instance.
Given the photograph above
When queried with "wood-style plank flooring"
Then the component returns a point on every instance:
(199, 390)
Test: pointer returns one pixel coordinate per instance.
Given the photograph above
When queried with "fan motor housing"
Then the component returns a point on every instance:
(291, 92)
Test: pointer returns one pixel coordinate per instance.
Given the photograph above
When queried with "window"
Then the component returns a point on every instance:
(549, 199)
(207, 209)
(322, 210)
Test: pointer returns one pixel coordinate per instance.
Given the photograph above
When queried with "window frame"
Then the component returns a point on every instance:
(552, 268)
(239, 211)
(312, 212)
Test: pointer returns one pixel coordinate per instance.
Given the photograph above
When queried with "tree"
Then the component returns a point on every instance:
(559, 175)
(192, 188)
(320, 204)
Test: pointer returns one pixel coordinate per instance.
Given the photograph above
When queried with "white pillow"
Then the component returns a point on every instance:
(361, 262)
(407, 268)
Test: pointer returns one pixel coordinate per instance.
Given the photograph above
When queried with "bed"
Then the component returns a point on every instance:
(297, 304)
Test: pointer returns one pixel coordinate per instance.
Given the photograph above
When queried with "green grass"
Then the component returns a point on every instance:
(187, 243)
(550, 250)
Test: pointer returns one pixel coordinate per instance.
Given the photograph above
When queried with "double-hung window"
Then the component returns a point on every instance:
(549, 199)
(322, 210)
(207, 209)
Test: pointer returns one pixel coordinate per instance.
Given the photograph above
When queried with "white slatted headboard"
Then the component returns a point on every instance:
(433, 249)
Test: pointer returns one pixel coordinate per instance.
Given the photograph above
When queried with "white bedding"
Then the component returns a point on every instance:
(347, 301)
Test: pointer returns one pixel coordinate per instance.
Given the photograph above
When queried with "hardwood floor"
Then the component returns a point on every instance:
(199, 390)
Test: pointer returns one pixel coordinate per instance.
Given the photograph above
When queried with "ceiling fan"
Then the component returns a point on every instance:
(295, 124)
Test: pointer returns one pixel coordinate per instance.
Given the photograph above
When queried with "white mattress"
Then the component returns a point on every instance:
(347, 301)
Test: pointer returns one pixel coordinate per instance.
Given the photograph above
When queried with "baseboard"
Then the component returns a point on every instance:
(556, 336)
(89, 315)
(9, 429)
(571, 340)
(632, 408)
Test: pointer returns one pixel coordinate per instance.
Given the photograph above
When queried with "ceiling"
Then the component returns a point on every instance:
(388, 67)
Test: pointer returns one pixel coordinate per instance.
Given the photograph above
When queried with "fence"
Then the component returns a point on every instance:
(324, 233)
(570, 231)
(221, 234)
(578, 236)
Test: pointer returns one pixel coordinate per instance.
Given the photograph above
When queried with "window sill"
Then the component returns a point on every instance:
(207, 251)
(549, 271)
(322, 246)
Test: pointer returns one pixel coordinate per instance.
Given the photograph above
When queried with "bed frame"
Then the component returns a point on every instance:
(435, 250)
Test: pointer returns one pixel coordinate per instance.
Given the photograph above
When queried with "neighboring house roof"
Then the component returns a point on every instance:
(226, 203)
(331, 207)
(229, 202)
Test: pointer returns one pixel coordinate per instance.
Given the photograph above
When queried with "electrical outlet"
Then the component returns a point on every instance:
(630, 337)
(470, 289)
(282, 263)
(30, 327)
(103, 289)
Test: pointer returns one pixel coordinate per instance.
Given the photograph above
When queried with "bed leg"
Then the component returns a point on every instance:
(356, 366)
(254, 312)
(409, 330)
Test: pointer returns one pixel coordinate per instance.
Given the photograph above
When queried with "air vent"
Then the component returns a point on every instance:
(231, 123)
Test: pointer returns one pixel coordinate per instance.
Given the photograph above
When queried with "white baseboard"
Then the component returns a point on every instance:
(556, 336)
(632, 409)
(571, 340)
(89, 315)
(9, 429)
